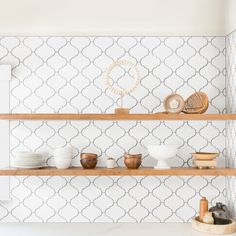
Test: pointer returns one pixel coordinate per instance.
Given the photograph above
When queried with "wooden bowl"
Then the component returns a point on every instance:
(205, 155)
(138, 156)
(132, 161)
(88, 155)
(89, 163)
(197, 103)
(213, 229)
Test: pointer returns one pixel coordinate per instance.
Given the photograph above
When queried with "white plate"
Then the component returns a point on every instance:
(27, 153)
(29, 162)
(29, 157)
(28, 167)
(17, 164)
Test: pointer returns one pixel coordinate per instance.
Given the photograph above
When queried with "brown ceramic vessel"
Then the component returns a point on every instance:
(132, 161)
(88, 155)
(88, 163)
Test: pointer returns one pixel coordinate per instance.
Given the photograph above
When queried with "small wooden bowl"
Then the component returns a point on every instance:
(213, 229)
(138, 156)
(132, 161)
(88, 155)
(205, 155)
(89, 163)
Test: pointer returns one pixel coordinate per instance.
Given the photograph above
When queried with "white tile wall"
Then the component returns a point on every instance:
(62, 74)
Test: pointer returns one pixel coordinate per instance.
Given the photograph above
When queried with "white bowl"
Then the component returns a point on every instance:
(61, 157)
(63, 150)
(62, 163)
(63, 153)
(161, 153)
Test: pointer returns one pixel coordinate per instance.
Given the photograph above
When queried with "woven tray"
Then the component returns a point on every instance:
(213, 229)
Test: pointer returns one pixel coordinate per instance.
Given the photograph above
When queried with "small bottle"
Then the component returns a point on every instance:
(203, 208)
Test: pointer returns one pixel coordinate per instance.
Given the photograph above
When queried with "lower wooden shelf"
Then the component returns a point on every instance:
(91, 116)
(77, 171)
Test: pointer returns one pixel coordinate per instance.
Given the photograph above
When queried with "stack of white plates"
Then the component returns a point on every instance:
(28, 160)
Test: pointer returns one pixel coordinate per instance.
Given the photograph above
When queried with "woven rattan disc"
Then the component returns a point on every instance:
(197, 103)
(173, 103)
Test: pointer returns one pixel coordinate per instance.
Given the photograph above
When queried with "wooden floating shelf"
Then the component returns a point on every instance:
(78, 171)
(158, 116)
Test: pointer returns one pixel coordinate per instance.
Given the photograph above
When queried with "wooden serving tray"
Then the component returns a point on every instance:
(213, 229)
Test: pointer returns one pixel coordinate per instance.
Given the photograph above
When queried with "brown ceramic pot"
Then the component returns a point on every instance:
(132, 161)
(88, 155)
(89, 163)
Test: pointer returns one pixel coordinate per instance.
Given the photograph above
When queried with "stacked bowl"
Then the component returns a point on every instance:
(63, 157)
(132, 161)
(88, 160)
(28, 160)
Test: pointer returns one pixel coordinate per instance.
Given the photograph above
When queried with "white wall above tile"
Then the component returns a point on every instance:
(230, 16)
(113, 17)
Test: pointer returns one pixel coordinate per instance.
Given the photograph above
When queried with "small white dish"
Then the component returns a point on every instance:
(161, 153)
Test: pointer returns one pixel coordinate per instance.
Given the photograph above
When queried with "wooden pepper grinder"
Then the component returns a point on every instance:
(203, 208)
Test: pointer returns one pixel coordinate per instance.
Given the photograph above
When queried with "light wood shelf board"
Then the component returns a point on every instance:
(77, 171)
(158, 116)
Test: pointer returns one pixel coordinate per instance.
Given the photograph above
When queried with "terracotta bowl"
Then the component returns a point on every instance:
(132, 161)
(88, 155)
(205, 155)
(88, 163)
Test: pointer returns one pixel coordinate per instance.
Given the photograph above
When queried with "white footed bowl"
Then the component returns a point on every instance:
(161, 153)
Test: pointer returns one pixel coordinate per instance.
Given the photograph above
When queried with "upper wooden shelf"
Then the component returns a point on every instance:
(78, 171)
(158, 116)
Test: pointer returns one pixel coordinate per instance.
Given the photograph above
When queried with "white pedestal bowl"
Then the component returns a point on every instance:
(161, 153)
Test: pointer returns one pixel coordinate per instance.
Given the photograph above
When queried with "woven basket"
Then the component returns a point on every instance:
(197, 103)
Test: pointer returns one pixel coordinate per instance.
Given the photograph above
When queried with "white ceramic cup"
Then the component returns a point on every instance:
(63, 157)
(110, 163)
